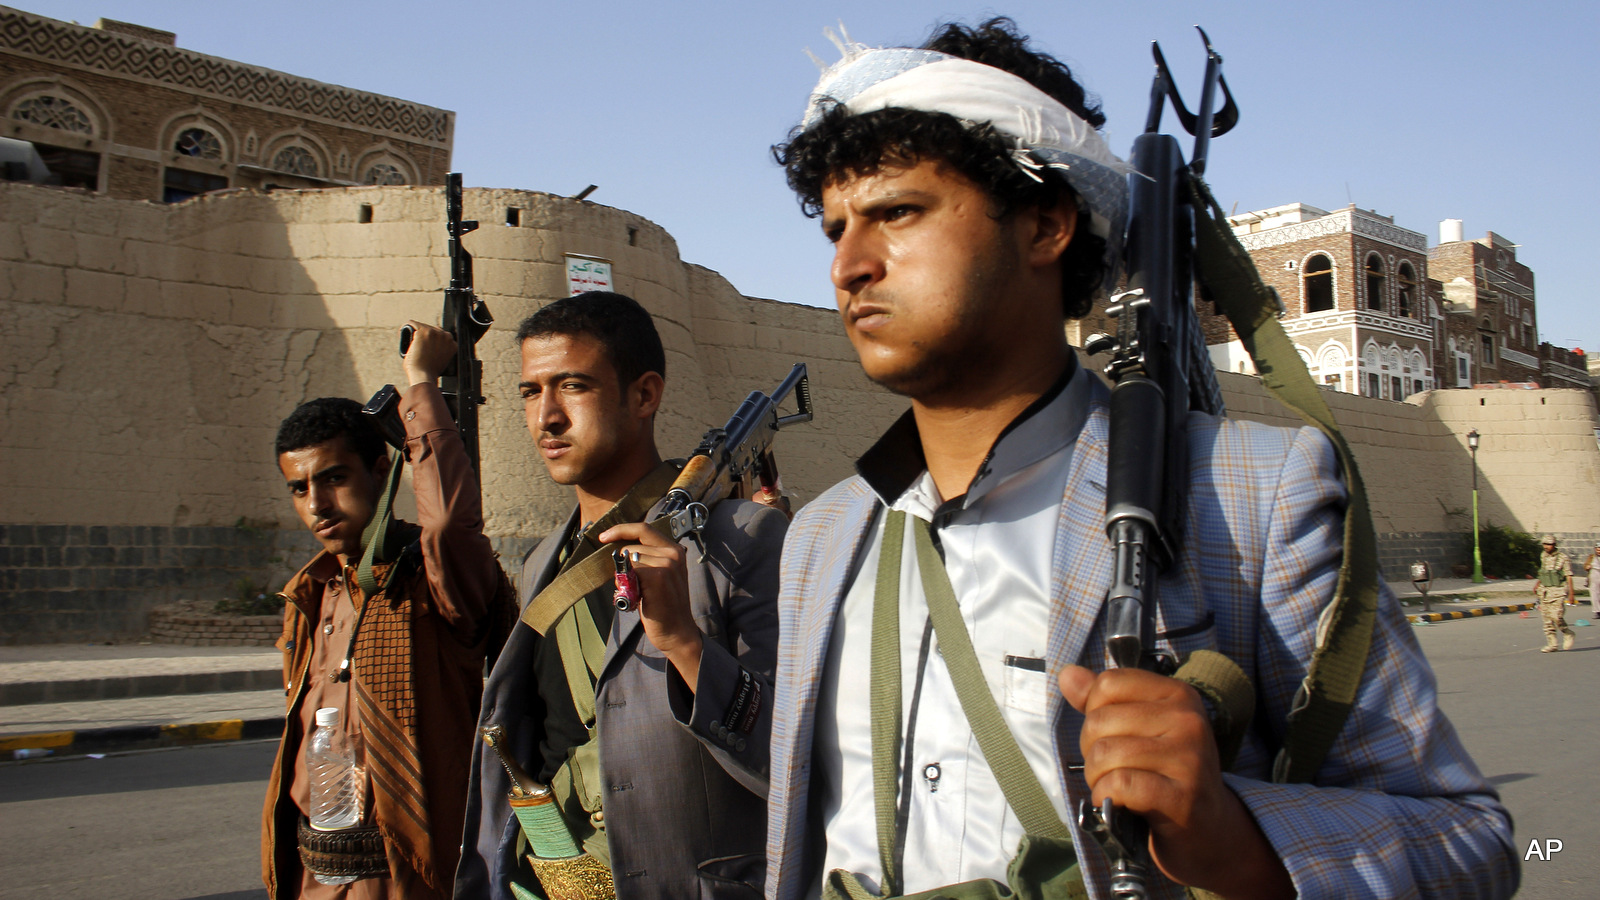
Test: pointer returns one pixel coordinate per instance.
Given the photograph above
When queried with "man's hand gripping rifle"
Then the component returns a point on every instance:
(736, 456)
(1161, 370)
(467, 319)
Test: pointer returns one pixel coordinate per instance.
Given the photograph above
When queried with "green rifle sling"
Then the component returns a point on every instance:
(379, 534)
(1018, 782)
(1344, 631)
(587, 568)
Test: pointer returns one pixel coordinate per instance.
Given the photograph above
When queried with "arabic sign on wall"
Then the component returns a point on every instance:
(587, 273)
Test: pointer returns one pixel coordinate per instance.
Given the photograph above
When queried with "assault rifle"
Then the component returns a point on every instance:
(729, 456)
(1161, 371)
(738, 454)
(467, 319)
(727, 459)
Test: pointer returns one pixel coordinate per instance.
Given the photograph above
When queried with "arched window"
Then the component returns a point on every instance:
(1408, 289)
(53, 112)
(384, 173)
(1317, 282)
(1375, 282)
(296, 160)
(198, 143)
(70, 166)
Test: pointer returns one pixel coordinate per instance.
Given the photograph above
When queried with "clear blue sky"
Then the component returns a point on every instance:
(1480, 111)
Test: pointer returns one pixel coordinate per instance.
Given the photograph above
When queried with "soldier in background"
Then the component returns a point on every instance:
(1555, 589)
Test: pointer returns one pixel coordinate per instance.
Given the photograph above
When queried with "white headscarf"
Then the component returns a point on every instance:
(1047, 134)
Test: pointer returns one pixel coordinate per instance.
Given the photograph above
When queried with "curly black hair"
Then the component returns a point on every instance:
(326, 418)
(841, 145)
(623, 327)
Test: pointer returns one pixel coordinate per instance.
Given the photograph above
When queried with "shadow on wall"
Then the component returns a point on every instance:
(150, 353)
(155, 349)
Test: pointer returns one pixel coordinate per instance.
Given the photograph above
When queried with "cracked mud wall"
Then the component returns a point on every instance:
(145, 359)
(1538, 464)
(148, 352)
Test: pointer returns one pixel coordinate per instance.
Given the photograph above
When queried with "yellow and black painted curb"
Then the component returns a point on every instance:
(1469, 613)
(138, 737)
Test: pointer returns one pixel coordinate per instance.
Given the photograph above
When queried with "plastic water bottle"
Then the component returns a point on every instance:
(335, 792)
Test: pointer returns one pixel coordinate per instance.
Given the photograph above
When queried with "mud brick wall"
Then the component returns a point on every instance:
(98, 582)
(220, 314)
(198, 630)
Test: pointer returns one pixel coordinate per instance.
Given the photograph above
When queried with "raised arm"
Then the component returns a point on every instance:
(461, 568)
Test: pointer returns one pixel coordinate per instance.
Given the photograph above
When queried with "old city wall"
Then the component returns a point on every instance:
(147, 353)
(1538, 457)
(1538, 464)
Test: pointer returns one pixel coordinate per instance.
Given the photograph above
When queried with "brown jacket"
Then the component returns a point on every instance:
(418, 666)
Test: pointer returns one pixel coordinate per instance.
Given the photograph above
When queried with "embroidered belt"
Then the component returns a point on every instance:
(347, 852)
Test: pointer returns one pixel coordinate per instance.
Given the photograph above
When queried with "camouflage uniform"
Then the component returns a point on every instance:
(1555, 577)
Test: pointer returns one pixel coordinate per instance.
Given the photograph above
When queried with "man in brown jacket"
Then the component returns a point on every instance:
(405, 665)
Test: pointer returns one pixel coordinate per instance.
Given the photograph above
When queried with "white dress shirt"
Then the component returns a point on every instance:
(998, 540)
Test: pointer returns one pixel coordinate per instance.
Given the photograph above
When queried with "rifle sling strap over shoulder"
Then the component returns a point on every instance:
(586, 568)
(380, 537)
(1018, 781)
(1228, 277)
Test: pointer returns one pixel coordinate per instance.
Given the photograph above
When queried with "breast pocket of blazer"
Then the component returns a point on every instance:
(1027, 684)
(1183, 631)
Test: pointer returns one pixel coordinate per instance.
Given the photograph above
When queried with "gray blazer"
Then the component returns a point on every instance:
(1262, 555)
(685, 773)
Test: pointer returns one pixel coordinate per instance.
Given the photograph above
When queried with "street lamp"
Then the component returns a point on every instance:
(1477, 553)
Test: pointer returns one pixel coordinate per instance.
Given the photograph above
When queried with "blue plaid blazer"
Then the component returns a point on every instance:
(1398, 809)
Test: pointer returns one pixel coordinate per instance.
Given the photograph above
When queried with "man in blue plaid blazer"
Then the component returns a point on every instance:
(973, 208)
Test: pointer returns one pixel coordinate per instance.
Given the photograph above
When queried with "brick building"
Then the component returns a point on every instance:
(1374, 311)
(1492, 318)
(1355, 293)
(121, 110)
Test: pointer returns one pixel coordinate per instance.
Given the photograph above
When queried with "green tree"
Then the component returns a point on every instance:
(1507, 552)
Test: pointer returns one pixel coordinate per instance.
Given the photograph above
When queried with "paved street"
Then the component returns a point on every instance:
(1528, 722)
(182, 824)
(179, 824)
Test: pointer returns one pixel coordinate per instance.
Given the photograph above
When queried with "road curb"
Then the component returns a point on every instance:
(1468, 613)
(139, 737)
(120, 687)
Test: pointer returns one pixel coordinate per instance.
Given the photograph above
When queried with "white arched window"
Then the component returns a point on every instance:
(1374, 282)
(1317, 283)
(1407, 278)
(66, 128)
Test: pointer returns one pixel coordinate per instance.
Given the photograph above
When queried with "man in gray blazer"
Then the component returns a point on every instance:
(973, 207)
(646, 742)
